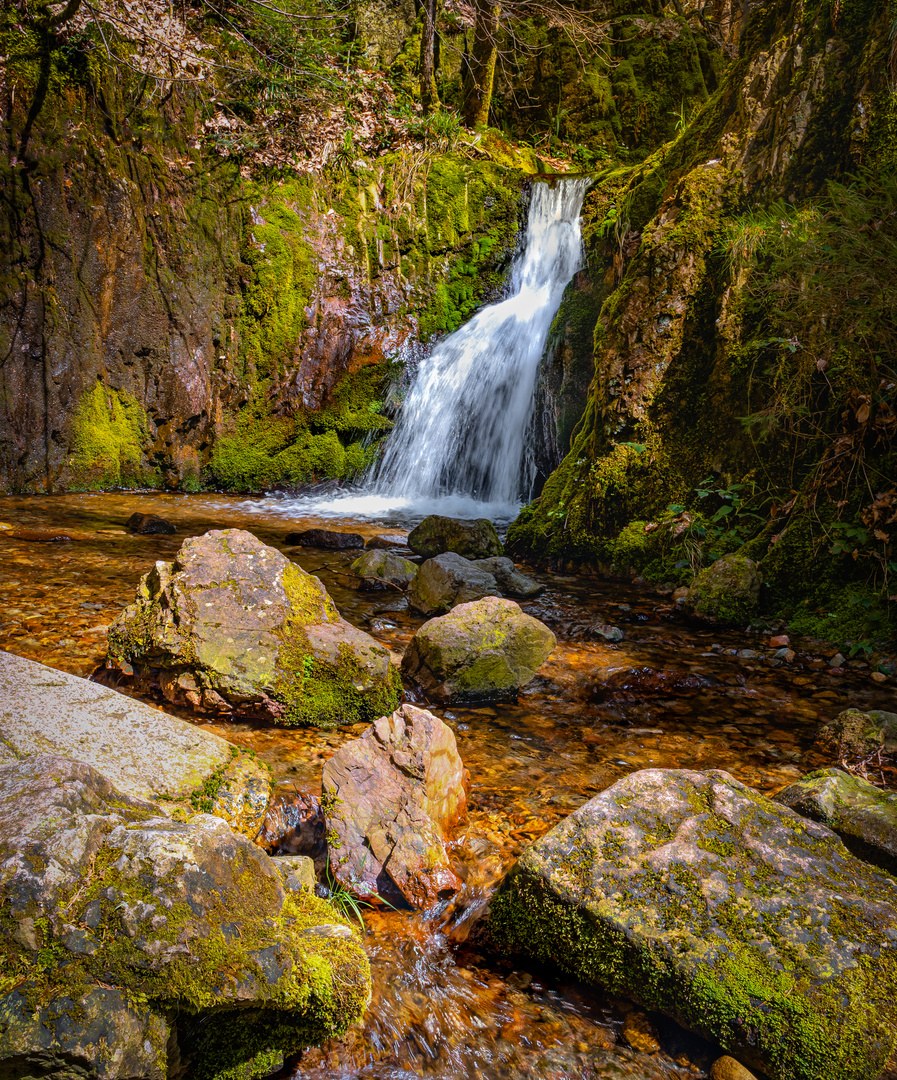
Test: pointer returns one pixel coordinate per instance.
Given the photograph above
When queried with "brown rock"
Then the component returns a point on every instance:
(325, 538)
(390, 800)
(727, 1068)
(640, 1033)
(781, 641)
(150, 525)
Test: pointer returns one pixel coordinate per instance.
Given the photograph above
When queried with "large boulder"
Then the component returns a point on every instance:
(447, 580)
(728, 589)
(510, 581)
(232, 625)
(136, 946)
(390, 800)
(485, 650)
(864, 816)
(379, 569)
(144, 752)
(474, 539)
(698, 897)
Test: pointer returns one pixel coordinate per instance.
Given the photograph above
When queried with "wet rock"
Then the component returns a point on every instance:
(474, 539)
(447, 580)
(727, 1068)
(325, 538)
(234, 616)
(633, 683)
(385, 541)
(864, 816)
(45, 536)
(780, 641)
(640, 1033)
(188, 918)
(480, 651)
(296, 871)
(728, 590)
(606, 632)
(144, 752)
(857, 737)
(379, 569)
(510, 581)
(694, 895)
(390, 800)
(150, 525)
(295, 826)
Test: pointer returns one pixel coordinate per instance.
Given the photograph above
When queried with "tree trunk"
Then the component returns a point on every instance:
(429, 96)
(480, 73)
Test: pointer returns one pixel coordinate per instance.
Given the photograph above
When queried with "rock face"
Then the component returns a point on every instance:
(447, 580)
(474, 539)
(864, 816)
(390, 800)
(233, 625)
(696, 896)
(480, 651)
(107, 903)
(325, 538)
(510, 581)
(728, 589)
(378, 569)
(143, 752)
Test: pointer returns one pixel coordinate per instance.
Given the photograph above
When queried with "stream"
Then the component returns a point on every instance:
(671, 695)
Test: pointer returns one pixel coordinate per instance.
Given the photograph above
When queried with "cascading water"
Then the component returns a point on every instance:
(462, 432)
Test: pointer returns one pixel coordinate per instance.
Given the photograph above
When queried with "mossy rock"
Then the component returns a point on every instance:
(137, 944)
(380, 569)
(232, 626)
(483, 650)
(696, 896)
(728, 590)
(472, 539)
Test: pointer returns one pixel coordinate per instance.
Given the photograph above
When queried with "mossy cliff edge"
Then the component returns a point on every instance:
(736, 314)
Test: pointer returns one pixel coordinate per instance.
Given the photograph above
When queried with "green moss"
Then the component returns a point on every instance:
(109, 434)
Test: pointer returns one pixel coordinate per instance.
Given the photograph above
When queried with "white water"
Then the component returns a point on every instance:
(459, 447)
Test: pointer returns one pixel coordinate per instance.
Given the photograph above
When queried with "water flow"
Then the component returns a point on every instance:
(462, 430)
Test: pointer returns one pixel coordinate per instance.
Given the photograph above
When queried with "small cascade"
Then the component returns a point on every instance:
(462, 432)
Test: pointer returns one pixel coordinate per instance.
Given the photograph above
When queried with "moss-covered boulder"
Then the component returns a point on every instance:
(484, 650)
(135, 946)
(391, 799)
(474, 539)
(380, 569)
(700, 898)
(233, 626)
(728, 589)
(864, 816)
(855, 737)
(447, 580)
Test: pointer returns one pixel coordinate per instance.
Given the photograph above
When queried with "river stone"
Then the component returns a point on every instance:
(510, 581)
(106, 904)
(698, 897)
(390, 800)
(728, 589)
(481, 651)
(150, 525)
(233, 617)
(325, 538)
(474, 539)
(447, 580)
(864, 816)
(144, 752)
(378, 569)
(856, 736)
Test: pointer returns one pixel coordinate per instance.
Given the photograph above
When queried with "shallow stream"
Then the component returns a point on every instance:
(669, 695)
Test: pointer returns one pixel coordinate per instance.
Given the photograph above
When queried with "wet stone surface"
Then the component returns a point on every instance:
(668, 695)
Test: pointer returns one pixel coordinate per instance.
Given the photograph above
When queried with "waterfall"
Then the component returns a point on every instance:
(462, 432)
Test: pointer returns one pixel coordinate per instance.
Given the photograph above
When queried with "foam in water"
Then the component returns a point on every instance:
(459, 447)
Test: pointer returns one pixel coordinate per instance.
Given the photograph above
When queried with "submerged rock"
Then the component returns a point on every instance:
(864, 816)
(390, 801)
(447, 580)
(141, 947)
(231, 623)
(510, 581)
(479, 651)
(150, 525)
(728, 589)
(378, 569)
(325, 538)
(474, 539)
(144, 752)
(695, 896)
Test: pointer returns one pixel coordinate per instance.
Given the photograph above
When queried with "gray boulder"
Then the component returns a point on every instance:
(697, 897)
(474, 539)
(728, 589)
(390, 800)
(447, 580)
(144, 752)
(379, 569)
(136, 946)
(232, 625)
(510, 581)
(480, 651)
(864, 816)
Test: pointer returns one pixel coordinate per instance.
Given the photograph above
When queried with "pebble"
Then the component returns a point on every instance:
(879, 677)
(727, 1068)
(780, 641)
(748, 654)
(837, 661)
(785, 654)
